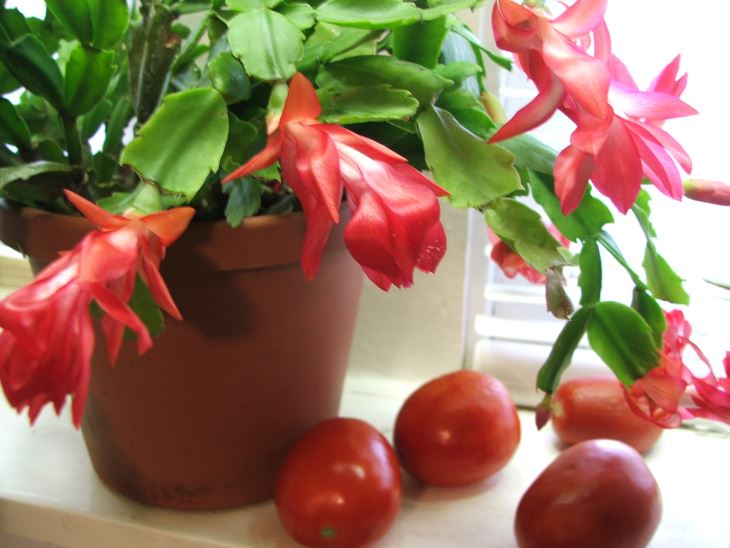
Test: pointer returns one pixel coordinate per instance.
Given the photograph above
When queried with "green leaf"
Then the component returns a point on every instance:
(246, 5)
(88, 73)
(649, 308)
(522, 229)
(228, 76)
(92, 121)
(420, 42)
(438, 8)
(75, 16)
(368, 14)
(623, 340)
(468, 111)
(144, 199)
(244, 199)
(121, 114)
(473, 171)
(109, 22)
(561, 354)
(27, 171)
(663, 282)
(374, 70)
(268, 44)
(241, 135)
(328, 42)
(474, 40)
(586, 221)
(146, 309)
(531, 153)
(37, 184)
(299, 13)
(182, 142)
(30, 64)
(590, 279)
(51, 151)
(7, 82)
(13, 128)
(458, 71)
(356, 105)
(14, 23)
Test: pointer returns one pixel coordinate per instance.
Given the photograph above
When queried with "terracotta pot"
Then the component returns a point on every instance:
(204, 418)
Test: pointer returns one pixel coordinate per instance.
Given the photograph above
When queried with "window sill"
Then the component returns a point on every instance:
(50, 494)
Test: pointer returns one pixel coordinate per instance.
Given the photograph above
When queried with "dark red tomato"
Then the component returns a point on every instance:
(594, 408)
(340, 485)
(597, 494)
(457, 429)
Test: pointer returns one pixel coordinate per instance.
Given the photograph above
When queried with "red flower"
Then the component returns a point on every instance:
(48, 337)
(618, 138)
(663, 394)
(512, 264)
(548, 52)
(395, 224)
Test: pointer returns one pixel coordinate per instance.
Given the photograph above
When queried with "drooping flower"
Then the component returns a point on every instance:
(512, 264)
(634, 145)
(618, 138)
(664, 394)
(395, 224)
(551, 53)
(48, 337)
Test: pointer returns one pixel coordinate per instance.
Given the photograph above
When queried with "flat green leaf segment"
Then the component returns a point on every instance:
(244, 199)
(522, 229)
(268, 43)
(663, 282)
(368, 14)
(88, 73)
(182, 142)
(13, 128)
(561, 354)
(26, 171)
(356, 105)
(101, 23)
(31, 65)
(375, 70)
(623, 340)
(459, 159)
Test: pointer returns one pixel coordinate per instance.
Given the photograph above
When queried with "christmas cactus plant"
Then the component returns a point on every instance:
(142, 117)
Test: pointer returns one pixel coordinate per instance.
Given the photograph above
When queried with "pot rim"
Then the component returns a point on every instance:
(207, 245)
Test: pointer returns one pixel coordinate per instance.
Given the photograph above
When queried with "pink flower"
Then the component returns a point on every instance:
(548, 52)
(395, 224)
(712, 192)
(662, 395)
(633, 145)
(618, 138)
(512, 264)
(48, 337)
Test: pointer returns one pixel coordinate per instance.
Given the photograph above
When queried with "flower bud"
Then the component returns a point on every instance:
(712, 192)
(493, 107)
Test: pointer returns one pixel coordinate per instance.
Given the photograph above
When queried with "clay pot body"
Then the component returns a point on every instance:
(204, 418)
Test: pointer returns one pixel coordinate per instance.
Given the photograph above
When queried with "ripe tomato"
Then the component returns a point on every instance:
(340, 485)
(457, 429)
(598, 493)
(594, 407)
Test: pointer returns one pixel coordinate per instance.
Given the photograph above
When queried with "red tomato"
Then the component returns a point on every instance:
(457, 429)
(594, 408)
(339, 486)
(597, 494)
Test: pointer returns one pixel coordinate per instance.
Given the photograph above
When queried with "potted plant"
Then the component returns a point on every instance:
(311, 121)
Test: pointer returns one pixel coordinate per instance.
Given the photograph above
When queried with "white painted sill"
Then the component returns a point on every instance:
(50, 494)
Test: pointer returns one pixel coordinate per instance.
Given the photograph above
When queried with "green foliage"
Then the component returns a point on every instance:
(244, 199)
(357, 105)
(473, 171)
(182, 142)
(561, 354)
(267, 42)
(623, 340)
